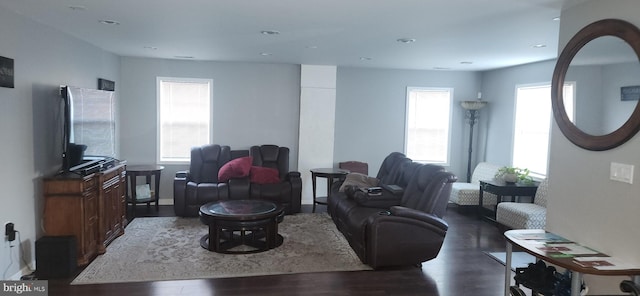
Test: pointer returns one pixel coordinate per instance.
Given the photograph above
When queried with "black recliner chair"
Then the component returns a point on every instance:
(288, 192)
(199, 185)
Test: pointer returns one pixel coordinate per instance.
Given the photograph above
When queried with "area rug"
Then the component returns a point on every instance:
(168, 248)
(518, 259)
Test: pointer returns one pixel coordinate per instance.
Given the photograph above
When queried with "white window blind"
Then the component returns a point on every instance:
(184, 116)
(427, 130)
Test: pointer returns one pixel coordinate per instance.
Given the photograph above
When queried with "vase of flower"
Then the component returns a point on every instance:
(510, 178)
(512, 174)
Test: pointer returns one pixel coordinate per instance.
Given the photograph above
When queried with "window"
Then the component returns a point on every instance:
(532, 125)
(427, 130)
(184, 116)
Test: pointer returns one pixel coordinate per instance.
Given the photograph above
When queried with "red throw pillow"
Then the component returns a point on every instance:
(262, 175)
(237, 168)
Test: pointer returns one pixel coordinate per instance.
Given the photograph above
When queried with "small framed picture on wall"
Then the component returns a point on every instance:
(104, 84)
(630, 93)
(6, 72)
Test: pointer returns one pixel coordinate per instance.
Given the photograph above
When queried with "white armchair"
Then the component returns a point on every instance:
(525, 215)
(468, 194)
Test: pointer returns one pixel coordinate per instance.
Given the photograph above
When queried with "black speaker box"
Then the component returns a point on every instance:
(55, 257)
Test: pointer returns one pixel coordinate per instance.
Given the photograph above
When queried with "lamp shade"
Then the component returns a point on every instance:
(473, 105)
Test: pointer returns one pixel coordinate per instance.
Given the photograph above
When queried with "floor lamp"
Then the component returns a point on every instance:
(472, 108)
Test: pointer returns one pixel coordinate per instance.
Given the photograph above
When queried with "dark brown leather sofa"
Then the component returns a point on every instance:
(200, 185)
(395, 229)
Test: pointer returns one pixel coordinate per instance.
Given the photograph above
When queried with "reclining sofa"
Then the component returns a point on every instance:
(262, 172)
(403, 224)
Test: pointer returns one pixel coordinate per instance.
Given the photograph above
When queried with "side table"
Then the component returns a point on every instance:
(146, 171)
(330, 174)
(500, 189)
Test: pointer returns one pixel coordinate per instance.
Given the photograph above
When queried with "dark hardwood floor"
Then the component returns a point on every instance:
(460, 269)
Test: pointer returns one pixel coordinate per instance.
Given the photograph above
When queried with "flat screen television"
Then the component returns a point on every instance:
(88, 127)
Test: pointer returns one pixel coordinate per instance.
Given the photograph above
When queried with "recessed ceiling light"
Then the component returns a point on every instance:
(540, 46)
(183, 57)
(110, 22)
(365, 58)
(406, 40)
(466, 63)
(265, 54)
(269, 32)
(557, 18)
(151, 47)
(77, 8)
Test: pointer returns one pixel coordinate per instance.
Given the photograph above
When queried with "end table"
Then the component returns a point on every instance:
(330, 174)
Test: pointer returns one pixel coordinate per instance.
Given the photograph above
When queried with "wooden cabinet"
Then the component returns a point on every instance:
(111, 206)
(91, 207)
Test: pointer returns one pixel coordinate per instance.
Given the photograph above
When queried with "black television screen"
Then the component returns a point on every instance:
(89, 125)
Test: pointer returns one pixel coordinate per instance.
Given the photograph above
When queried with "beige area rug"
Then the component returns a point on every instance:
(168, 248)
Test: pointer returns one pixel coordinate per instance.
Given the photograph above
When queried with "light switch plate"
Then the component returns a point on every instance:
(621, 172)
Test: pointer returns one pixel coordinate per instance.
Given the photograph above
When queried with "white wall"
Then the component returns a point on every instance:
(600, 109)
(584, 205)
(30, 120)
(370, 113)
(317, 126)
(589, 110)
(369, 103)
(253, 104)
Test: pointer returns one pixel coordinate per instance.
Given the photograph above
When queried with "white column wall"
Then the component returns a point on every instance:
(584, 205)
(317, 125)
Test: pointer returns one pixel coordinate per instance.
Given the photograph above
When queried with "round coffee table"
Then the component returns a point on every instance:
(232, 223)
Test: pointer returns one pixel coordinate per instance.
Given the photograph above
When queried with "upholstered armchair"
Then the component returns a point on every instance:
(516, 215)
(468, 194)
(286, 191)
(199, 185)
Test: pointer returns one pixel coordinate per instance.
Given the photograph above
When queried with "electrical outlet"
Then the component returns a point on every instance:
(10, 232)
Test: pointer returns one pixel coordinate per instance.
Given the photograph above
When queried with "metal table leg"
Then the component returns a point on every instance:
(507, 270)
(576, 283)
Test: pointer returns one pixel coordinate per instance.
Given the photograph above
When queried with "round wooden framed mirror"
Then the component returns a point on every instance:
(599, 67)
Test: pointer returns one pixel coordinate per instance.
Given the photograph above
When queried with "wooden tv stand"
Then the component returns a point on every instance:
(92, 208)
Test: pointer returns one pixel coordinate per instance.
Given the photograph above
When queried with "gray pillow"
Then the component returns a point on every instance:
(359, 180)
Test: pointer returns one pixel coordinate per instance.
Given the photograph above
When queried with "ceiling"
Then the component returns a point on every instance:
(464, 35)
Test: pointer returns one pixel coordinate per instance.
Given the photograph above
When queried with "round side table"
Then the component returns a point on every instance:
(330, 174)
(147, 171)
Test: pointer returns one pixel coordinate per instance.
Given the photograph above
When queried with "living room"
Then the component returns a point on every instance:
(46, 58)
